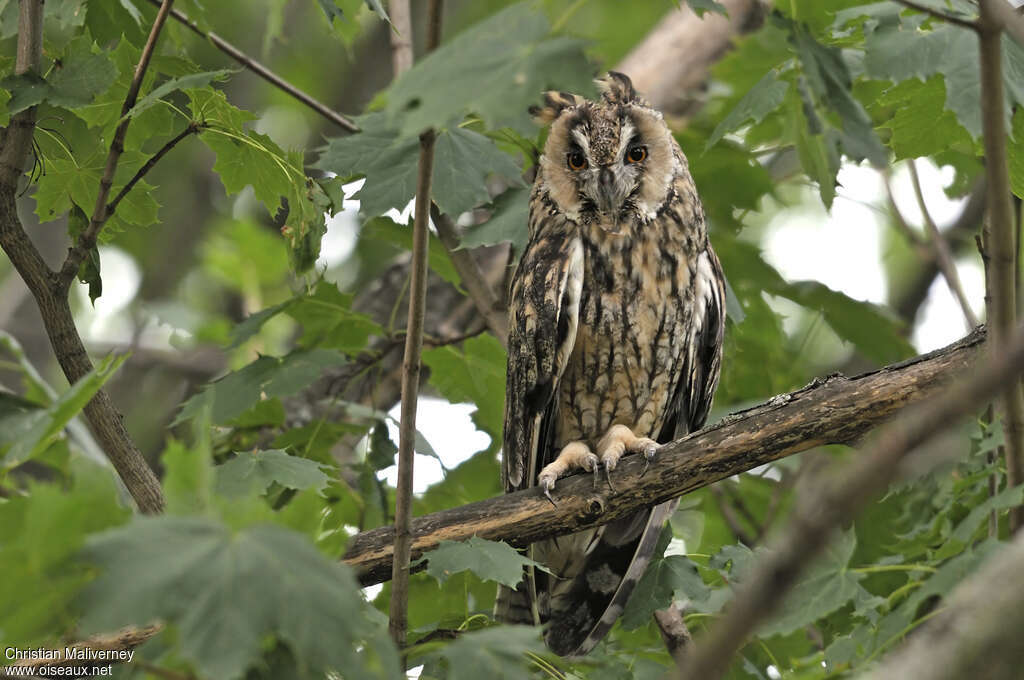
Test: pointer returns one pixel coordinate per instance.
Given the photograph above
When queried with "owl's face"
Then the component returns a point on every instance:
(608, 163)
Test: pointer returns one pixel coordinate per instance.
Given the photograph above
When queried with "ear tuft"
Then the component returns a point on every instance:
(554, 104)
(617, 88)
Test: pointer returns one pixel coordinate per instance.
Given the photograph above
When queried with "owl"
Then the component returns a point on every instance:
(616, 321)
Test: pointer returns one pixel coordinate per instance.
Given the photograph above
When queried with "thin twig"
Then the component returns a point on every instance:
(263, 72)
(1001, 241)
(942, 16)
(838, 500)
(87, 240)
(192, 129)
(479, 290)
(941, 250)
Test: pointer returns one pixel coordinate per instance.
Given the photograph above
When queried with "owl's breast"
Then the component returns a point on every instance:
(630, 342)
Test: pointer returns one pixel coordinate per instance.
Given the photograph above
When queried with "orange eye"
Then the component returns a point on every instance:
(577, 161)
(636, 154)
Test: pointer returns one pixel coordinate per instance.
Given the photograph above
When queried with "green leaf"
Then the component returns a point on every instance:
(76, 182)
(192, 80)
(328, 321)
(490, 560)
(700, 7)
(378, 9)
(918, 121)
(387, 230)
(830, 81)
(89, 270)
(42, 530)
(257, 470)
(225, 592)
(496, 653)
(508, 222)
(463, 159)
(495, 69)
(265, 378)
(25, 435)
(766, 96)
(477, 375)
(825, 586)
(663, 578)
(905, 51)
(76, 79)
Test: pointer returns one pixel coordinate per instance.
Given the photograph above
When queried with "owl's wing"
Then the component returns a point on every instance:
(544, 311)
(698, 380)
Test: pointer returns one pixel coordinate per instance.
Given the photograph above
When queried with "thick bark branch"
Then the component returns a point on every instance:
(835, 410)
(670, 67)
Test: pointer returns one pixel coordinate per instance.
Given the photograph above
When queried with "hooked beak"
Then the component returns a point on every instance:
(609, 199)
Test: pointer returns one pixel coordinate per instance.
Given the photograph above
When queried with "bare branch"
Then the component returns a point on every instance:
(87, 240)
(941, 250)
(1001, 242)
(477, 286)
(263, 72)
(674, 632)
(412, 360)
(838, 499)
(942, 16)
(410, 390)
(192, 129)
(833, 410)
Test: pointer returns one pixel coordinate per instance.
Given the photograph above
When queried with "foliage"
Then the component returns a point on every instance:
(265, 484)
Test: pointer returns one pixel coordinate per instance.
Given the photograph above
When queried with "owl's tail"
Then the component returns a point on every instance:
(514, 606)
(580, 609)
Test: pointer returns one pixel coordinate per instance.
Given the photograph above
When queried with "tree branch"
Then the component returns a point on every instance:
(262, 71)
(410, 391)
(831, 410)
(87, 240)
(50, 297)
(941, 251)
(1001, 244)
(192, 129)
(1011, 21)
(838, 498)
(942, 16)
(670, 66)
(477, 286)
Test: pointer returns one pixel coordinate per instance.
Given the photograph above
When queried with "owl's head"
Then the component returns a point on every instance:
(610, 162)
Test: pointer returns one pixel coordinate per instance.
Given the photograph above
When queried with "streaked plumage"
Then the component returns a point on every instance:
(616, 319)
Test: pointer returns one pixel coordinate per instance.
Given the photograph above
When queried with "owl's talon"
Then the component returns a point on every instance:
(648, 451)
(547, 483)
(608, 477)
(597, 477)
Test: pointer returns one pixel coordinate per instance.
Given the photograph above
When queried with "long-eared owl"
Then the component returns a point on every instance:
(616, 320)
